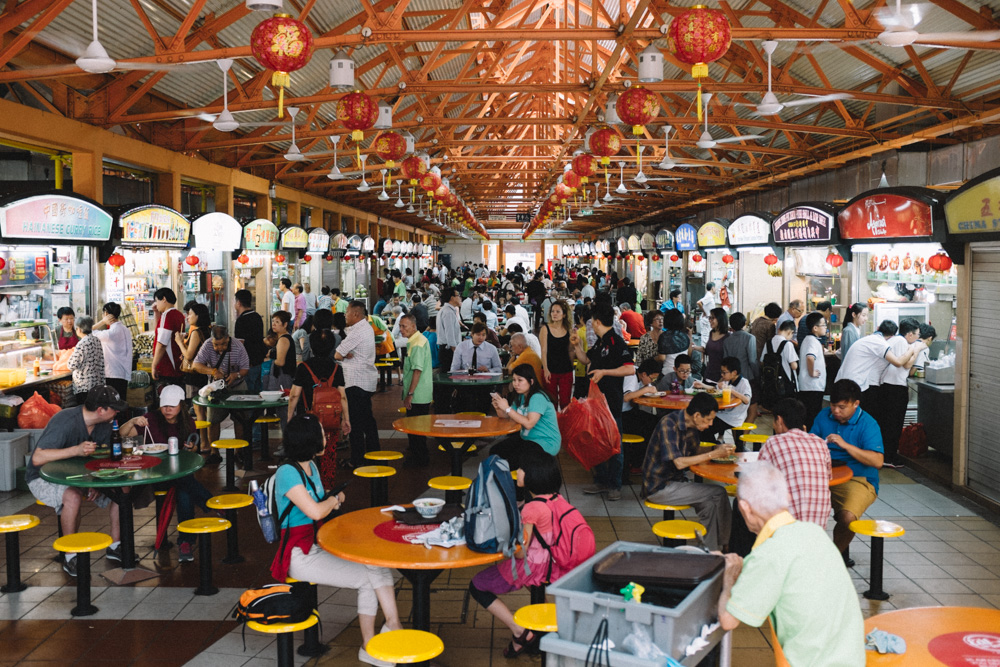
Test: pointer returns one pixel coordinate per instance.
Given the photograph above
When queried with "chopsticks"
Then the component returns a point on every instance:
(147, 433)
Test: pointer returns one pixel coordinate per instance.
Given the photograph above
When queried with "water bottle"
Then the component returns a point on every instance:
(264, 517)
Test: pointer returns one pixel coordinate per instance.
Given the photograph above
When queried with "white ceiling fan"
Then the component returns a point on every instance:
(294, 154)
(900, 30)
(668, 163)
(769, 104)
(335, 173)
(706, 140)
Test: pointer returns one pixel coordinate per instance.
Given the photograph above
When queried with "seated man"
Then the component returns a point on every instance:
(674, 447)
(491, 335)
(740, 391)
(640, 420)
(70, 433)
(855, 440)
(632, 321)
(520, 353)
(794, 577)
(475, 354)
(529, 338)
(514, 318)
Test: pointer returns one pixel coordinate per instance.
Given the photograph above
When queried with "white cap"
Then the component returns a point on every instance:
(171, 396)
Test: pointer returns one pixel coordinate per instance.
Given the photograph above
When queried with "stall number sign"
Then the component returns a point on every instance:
(295, 238)
(802, 224)
(885, 216)
(749, 230)
(711, 235)
(260, 235)
(686, 238)
(975, 210)
(155, 226)
(54, 218)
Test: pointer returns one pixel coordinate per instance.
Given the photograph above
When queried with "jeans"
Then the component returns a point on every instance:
(190, 493)
(609, 473)
(364, 430)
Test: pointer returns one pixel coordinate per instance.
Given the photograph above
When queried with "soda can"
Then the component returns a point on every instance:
(254, 485)
(173, 447)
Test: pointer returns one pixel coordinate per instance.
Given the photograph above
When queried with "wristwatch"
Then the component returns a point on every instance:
(507, 411)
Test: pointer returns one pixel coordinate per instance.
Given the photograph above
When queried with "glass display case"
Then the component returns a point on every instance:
(21, 344)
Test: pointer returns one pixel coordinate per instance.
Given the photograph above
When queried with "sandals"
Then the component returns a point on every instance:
(529, 646)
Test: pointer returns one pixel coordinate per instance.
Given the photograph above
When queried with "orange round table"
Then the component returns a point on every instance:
(939, 636)
(489, 427)
(726, 472)
(352, 537)
(677, 402)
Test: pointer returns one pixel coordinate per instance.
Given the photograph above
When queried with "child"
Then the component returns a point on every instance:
(640, 419)
(740, 391)
(812, 367)
(789, 357)
(682, 378)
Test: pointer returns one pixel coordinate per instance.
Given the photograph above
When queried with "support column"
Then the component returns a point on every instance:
(167, 190)
(293, 211)
(224, 196)
(263, 208)
(88, 175)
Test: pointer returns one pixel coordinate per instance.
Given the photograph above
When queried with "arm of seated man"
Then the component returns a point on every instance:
(865, 456)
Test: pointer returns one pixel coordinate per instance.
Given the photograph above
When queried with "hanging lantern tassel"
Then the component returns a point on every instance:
(638, 148)
(281, 80)
(699, 71)
(389, 166)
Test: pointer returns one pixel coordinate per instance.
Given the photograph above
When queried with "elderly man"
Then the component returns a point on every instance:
(70, 433)
(521, 353)
(418, 387)
(357, 356)
(632, 321)
(793, 577)
(793, 313)
(222, 357)
(300, 305)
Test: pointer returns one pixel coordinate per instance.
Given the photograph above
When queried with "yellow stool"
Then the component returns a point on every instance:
(204, 528)
(83, 544)
(384, 455)
(878, 531)
(678, 531)
(379, 476)
(709, 444)
(745, 426)
(402, 411)
(668, 510)
(731, 490)
(285, 632)
(12, 526)
(756, 439)
(265, 435)
(452, 485)
(405, 646)
(231, 445)
(457, 444)
(630, 439)
(537, 618)
(229, 503)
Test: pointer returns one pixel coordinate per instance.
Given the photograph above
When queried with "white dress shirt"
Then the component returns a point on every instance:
(449, 331)
(117, 343)
(486, 355)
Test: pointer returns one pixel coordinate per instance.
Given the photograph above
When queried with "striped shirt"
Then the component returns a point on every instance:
(805, 460)
(234, 360)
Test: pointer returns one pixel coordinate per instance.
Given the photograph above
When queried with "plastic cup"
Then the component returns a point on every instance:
(727, 394)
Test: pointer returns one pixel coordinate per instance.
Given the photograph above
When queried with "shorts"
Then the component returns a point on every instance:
(217, 415)
(488, 584)
(855, 495)
(52, 494)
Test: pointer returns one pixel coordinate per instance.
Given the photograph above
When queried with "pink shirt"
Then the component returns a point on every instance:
(300, 310)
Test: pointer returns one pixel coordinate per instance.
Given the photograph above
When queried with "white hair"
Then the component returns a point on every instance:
(764, 488)
(519, 338)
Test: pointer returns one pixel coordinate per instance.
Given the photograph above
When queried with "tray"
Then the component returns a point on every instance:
(678, 569)
(412, 518)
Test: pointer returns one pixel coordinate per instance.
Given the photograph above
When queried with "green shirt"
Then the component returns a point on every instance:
(545, 432)
(340, 306)
(400, 289)
(798, 578)
(418, 358)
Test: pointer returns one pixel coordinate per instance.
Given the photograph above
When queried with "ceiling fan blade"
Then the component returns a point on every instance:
(907, 17)
(818, 99)
(973, 36)
(742, 137)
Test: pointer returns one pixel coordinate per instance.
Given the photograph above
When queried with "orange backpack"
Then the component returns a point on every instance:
(326, 402)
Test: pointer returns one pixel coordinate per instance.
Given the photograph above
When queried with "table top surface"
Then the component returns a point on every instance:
(726, 472)
(490, 427)
(678, 402)
(172, 467)
(460, 378)
(352, 537)
(239, 405)
(925, 630)
(32, 380)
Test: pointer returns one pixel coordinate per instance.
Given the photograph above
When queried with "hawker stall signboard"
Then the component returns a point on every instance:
(217, 232)
(319, 240)
(803, 224)
(260, 234)
(975, 207)
(154, 226)
(54, 218)
(881, 215)
(686, 238)
(294, 237)
(664, 240)
(711, 235)
(749, 230)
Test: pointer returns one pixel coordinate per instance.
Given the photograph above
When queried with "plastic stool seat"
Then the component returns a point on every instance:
(402, 411)
(730, 490)
(230, 443)
(537, 617)
(39, 502)
(709, 444)
(758, 438)
(745, 426)
(159, 493)
(204, 525)
(874, 528)
(678, 529)
(15, 523)
(200, 424)
(630, 438)
(229, 501)
(449, 483)
(282, 628)
(384, 455)
(878, 531)
(79, 543)
(266, 420)
(660, 506)
(405, 646)
(457, 444)
(83, 544)
(375, 471)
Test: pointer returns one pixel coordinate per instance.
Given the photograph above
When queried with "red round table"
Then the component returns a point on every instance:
(949, 636)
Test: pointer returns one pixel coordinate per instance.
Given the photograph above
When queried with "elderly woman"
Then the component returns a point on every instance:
(87, 360)
(649, 343)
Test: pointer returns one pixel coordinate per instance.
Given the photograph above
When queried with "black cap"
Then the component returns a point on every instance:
(104, 397)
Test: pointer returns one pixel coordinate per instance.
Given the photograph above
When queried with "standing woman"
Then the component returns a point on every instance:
(854, 320)
(283, 353)
(674, 340)
(557, 364)
(299, 484)
(301, 338)
(199, 322)
(116, 342)
(87, 360)
(534, 411)
(812, 367)
(651, 339)
(719, 321)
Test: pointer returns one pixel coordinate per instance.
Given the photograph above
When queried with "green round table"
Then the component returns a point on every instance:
(243, 412)
(472, 391)
(73, 472)
(448, 380)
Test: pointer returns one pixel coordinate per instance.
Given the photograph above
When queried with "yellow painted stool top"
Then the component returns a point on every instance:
(730, 490)
(384, 455)
(457, 444)
(470, 414)
(709, 444)
(449, 483)
(402, 411)
(631, 439)
(678, 529)
(374, 471)
(405, 646)
(659, 506)
(877, 528)
(79, 543)
(754, 437)
(282, 628)
(159, 493)
(745, 426)
(230, 444)
(15, 523)
(230, 501)
(199, 424)
(203, 525)
(537, 617)
(266, 420)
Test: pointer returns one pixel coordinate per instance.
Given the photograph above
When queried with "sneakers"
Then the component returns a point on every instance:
(185, 552)
(213, 459)
(363, 656)
(114, 553)
(69, 565)
(614, 494)
(594, 489)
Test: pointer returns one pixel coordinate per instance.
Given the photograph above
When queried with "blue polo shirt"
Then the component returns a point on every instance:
(861, 430)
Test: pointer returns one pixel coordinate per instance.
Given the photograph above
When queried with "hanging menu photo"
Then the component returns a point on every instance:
(155, 226)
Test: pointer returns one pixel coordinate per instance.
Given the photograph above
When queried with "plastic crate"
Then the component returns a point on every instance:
(11, 377)
(581, 605)
(562, 653)
(13, 448)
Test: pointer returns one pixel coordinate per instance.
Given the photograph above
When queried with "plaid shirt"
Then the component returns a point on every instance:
(672, 439)
(805, 460)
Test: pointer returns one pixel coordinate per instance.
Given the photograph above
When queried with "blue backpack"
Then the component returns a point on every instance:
(492, 519)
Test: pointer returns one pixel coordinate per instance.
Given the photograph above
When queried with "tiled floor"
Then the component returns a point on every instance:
(950, 555)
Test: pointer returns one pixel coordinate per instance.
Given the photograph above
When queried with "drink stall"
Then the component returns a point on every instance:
(260, 244)
(208, 270)
(293, 244)
(758, 271)
(692, 263)
(719, 263)
(318, 249)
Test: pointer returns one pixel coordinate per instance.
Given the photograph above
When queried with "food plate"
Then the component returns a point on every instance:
(111, 473)
(732, 458)
(154, 448)
(657, 394)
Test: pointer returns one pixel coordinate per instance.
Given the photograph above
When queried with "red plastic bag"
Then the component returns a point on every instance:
(913, 441)
(36, 412)
(589, 432)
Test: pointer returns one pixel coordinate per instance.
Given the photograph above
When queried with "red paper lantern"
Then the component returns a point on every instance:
(357, 112)
(585, 166)
(771, 259)
(674, 258)
(3, 263)
(430, 181)
(192, 260)
(728, 259)
(834, 260)
(656, 258)
(940, 262)
(280, 259)
(282, 44)
(636, 107)
(571, 179)
(328, 257)
(116, 260)
(697, 37)
(413, 168)
(306, 258)
(243, 259)
(604, 143)
(696, 258)
(441, 191)
(390, 146)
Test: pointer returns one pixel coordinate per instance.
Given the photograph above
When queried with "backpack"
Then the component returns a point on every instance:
(274, 604)
(774, 382)
(271, 504)
(326, 402)
(492, 519)
(572, 538)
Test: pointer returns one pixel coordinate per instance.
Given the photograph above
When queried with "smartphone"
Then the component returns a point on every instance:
(337, 489)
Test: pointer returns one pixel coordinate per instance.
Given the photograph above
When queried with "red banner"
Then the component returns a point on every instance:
(885, 216)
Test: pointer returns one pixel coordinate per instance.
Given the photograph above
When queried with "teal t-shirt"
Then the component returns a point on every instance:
(546, 429)
(288, 478)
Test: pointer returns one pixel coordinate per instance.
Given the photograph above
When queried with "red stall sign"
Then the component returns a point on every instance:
(885, 216)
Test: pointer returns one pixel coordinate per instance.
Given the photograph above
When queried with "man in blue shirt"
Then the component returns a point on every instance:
(855, 440)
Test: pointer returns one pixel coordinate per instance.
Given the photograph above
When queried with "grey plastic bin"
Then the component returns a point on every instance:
(562, 653)
(580, 606)
(13, 448)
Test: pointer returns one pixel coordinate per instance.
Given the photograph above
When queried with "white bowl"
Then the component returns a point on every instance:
(428, 507)
(271, 395)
